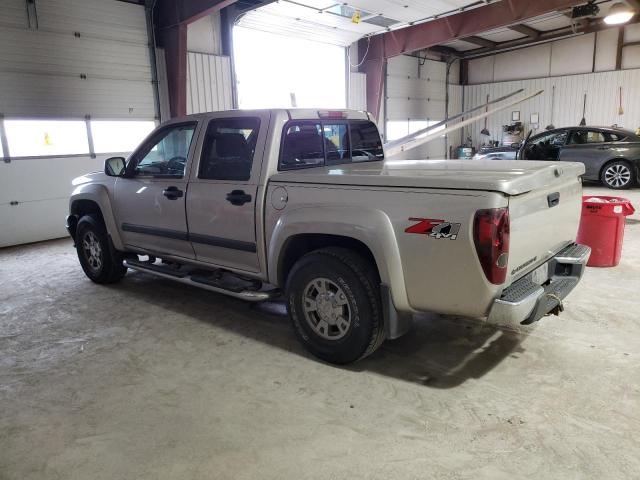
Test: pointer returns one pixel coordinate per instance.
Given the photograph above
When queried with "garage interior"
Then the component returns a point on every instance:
(151, 379)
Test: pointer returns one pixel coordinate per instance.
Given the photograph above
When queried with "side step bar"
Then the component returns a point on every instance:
(182, 277)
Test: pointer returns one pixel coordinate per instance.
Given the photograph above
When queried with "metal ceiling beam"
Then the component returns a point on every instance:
(483, 42)
(525, 30)
(375, 50)
(634, 4)
(590, 26)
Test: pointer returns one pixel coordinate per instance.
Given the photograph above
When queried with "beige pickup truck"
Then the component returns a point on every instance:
(302, 204)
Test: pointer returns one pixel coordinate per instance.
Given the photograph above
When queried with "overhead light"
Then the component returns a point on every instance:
(619, 13)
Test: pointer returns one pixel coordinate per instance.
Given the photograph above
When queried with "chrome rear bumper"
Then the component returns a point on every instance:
(525, 302)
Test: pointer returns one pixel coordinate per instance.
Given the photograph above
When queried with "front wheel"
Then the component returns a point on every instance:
(99, 261)
(334, 304)
(617, 175)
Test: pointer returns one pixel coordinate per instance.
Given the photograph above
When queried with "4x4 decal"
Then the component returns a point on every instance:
(434, 228)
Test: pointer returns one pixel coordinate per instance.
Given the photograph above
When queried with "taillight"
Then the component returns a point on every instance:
(491, 236)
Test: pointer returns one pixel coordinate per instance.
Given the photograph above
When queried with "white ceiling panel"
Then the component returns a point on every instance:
(550, 22)
(461, 45)
(501, 35)
(314, 20)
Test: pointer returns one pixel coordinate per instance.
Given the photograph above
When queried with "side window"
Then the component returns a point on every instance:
(336, 143)
(229, 145)
(614, 137)
(556, 139)
(365, 142)
(595, 137)
(166, 155)
(579, 137)
(302, 146)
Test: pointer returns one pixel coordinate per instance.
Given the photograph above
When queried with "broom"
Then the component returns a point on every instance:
(551, 126)
(583, 122)
(620, 110)
(484, 131)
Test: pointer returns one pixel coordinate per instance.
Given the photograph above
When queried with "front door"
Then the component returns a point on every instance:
(221, 206)
(150, 199)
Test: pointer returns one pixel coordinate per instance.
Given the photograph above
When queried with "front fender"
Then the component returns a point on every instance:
(99, 194)
(372, 227)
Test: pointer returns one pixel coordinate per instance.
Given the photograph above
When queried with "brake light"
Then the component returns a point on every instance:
(491, 236)
(333, 114)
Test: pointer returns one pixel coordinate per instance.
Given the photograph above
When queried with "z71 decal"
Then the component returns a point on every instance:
(434, 228)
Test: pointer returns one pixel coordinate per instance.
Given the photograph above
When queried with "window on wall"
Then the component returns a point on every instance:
(396, 129)
(119, 135)
(31, 138)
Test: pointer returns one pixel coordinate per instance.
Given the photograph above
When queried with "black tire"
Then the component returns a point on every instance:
(618, 175)
(347, 275)
(100, 262)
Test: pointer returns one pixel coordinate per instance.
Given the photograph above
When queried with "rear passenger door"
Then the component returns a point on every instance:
(590, 147)
(221, 204)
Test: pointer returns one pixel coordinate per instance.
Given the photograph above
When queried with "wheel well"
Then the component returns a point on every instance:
(633, 166)
(300, 245)
(85, 207)
(79, 208)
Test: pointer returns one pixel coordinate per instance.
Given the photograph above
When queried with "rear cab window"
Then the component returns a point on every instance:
(313, 143)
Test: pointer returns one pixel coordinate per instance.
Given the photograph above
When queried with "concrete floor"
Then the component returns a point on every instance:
(148, 379)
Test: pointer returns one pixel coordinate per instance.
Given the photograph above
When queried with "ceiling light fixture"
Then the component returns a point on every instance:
(619, 13)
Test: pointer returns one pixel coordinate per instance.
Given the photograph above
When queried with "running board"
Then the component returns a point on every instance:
(247, 295)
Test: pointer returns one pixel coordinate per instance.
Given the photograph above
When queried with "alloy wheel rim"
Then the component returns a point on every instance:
(92, 251)
(326, 308)
(617, 175)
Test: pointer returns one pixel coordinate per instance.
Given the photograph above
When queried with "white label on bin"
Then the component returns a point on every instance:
(617, 209)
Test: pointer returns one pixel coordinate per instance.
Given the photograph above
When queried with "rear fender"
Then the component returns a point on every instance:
(369, 226)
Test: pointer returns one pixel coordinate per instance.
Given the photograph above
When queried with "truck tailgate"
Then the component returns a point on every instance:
(543, 221)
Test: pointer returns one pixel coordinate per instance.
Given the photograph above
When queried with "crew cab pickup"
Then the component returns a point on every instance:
(302, 204)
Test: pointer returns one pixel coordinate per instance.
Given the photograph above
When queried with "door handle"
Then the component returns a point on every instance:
(172, 193)
(604, 148)
(238, 197)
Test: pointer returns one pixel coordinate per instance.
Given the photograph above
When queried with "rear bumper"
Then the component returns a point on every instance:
(525, 302)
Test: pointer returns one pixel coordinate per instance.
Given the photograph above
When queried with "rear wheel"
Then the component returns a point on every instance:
(100, 262)
(334, 304)
(617, 175)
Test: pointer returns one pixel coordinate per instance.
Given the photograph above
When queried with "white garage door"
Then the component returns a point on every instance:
(416, 92)
(75, 87)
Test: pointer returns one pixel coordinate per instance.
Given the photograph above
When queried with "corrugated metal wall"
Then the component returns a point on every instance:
(208, 83)
(75, 58)
(357, 91)
(602, 91)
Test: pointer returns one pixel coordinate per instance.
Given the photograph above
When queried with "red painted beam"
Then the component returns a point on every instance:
(442, 30)
(174, 40)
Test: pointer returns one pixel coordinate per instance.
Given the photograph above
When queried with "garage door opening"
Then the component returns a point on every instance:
(275, 71)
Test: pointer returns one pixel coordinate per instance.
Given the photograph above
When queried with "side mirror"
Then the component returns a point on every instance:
(114, 166)
(516, 145)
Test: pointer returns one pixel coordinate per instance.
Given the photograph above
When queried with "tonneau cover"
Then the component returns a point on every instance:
(511, 177)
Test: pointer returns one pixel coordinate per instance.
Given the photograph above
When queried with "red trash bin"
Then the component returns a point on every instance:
(602, 228)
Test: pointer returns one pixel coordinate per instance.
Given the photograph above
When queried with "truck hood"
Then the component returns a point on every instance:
(511, 177)
(92, 177)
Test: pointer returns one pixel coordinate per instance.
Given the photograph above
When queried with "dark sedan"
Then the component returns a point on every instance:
(610, 155)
